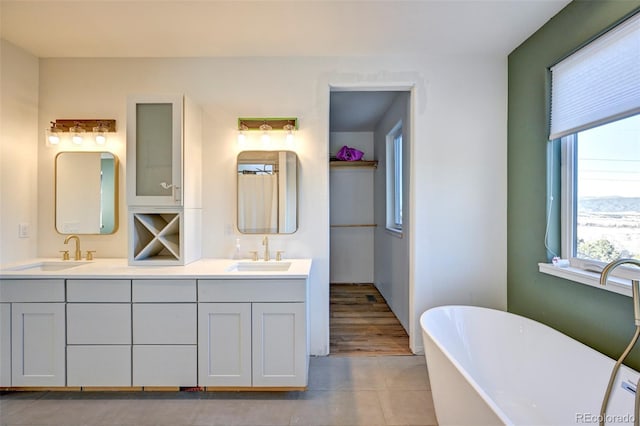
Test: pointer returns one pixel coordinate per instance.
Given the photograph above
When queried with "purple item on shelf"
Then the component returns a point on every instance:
(349, 154)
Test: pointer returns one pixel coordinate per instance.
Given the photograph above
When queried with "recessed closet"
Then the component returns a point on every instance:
(369, 257)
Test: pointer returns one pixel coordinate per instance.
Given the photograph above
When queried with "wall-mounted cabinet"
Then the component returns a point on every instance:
(164, 172)
(163, 151)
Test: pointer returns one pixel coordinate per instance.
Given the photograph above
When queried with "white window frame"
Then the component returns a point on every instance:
(394, 185)
(578, 110)
(584, 271)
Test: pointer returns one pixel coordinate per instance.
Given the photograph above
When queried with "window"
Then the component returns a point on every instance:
(394, 178)
(595, 112)
(601, 188)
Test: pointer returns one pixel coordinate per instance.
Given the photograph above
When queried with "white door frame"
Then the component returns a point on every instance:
(415, 343)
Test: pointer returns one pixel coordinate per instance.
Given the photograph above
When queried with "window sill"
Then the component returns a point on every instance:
(394, 232)
(614, 284)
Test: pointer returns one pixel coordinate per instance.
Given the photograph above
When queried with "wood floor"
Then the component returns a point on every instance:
(361, 323)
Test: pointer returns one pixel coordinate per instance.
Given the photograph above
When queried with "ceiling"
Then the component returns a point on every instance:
(183, 28)
(356, 111)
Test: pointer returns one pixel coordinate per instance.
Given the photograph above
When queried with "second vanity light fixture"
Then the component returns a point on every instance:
(267, 126)
(79, 129)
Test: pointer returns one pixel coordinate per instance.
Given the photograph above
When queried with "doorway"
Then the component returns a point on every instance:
(369, 244)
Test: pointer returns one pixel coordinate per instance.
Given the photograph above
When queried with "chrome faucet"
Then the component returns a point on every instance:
(78, 255)
(265, 243)
(635, 284)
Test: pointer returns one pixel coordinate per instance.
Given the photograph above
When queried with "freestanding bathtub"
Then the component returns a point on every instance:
(489, 367)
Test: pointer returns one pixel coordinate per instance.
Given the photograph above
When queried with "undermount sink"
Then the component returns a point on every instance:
(259, 266)
(48, 266)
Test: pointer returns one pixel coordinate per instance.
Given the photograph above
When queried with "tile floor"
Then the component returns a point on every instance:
(382, 390)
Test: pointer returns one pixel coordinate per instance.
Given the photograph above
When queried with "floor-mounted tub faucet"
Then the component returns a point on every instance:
(635, 291)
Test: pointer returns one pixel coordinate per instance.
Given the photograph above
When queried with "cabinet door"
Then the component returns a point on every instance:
(154, 150)
(279, 344)
(38, 344)
(224, 344)
(5, 344)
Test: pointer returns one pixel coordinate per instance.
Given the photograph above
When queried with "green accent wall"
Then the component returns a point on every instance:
(598, 318)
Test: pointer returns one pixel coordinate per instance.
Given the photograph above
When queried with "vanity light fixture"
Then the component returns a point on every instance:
(268, 127)
(78, 129)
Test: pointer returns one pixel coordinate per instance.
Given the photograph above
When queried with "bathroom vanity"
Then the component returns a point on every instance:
(214, 324)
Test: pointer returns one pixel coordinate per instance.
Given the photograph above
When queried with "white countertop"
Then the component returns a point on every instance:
(119, 268)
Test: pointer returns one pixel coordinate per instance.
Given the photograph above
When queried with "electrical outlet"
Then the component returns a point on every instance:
(23, 230)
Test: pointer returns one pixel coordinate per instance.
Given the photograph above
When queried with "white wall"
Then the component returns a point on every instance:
(351, 203)
(459, 186)
(458, 232)
(18, 152)
(392, 250)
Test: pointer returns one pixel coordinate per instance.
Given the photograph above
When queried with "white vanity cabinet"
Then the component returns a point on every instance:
(99, 333)
(5, 345)
(165, 333)
(253, 333)
(37, 331)
(164, 169)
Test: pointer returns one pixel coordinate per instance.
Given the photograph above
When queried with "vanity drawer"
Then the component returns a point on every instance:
(98, 290)
(168, 365)
(259, 290)
(164, 290)
(99, 365)
(32, 290)
(98, 323)
(165, 323)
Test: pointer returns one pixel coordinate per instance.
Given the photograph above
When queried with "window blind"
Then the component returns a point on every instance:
(599, 83)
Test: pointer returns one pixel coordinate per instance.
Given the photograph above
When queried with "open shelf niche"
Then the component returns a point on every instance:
(156, 237)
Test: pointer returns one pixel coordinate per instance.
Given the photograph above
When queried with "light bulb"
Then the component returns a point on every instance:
(289, 128)
(265, 135)
(53, 134)
(54, 139)
(77, 131)
(100, 132)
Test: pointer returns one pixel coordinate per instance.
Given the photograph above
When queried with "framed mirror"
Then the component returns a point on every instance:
(86, 193)
(267, 192)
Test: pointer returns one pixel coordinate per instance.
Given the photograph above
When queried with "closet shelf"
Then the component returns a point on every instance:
(355, 225)
(372, 164)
